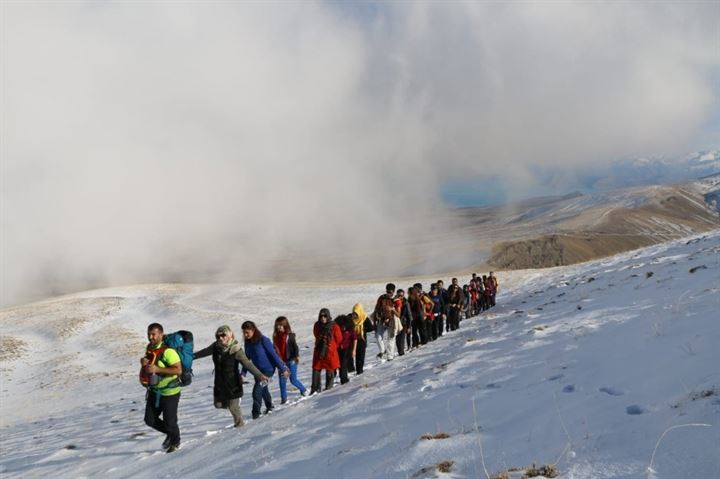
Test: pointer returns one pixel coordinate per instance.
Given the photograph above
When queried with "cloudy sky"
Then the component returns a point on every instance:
(139, 138)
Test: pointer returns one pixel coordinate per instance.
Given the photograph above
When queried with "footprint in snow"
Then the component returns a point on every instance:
(556, 377)
(570, 388)
(611, 391)
(635, 410)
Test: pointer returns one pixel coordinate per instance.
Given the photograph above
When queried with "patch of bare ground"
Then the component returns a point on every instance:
(68, 370)
(442, 466)
(546, 471)
(61, 371)
(439, 435)
(63, 317)
(84, 311)
(127, 344)
(12, 348)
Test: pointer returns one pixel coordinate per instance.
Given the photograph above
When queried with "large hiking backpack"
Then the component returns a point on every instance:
(384, 309)
(180, 341)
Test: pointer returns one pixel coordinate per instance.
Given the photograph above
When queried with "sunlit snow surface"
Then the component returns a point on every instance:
(583, 367)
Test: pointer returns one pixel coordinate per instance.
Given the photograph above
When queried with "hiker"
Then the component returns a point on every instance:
(363, 325)
(325, 356)
(489, 291)
(466, 302)
(428, 306)
(436, 327)
(446, 308)
(347, 346)
(455, 304)
(418, 317)
(474, 298)
(385, 328)
(262, 353)
(163, 394)
(402, 309)
(288, 350)
(483, 303)
(495, 284)
(226, 355)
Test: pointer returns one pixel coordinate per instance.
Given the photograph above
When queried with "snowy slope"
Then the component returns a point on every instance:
(584, 367)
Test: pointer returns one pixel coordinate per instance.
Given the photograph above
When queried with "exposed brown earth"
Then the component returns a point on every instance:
(661, 213)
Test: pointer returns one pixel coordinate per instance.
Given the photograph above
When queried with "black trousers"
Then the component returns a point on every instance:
(454, 319)
(430, 330)
(329, 378)
(345, 362)
(400, 342)
(360, 356)
(167, 408)
(439, 325)
(419, 333)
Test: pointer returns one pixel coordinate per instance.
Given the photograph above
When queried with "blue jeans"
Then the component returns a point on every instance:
(292, 366)
(261, 393)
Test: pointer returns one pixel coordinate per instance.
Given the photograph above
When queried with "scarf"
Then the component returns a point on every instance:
(281, 345)
(232, 347)
(322, 344)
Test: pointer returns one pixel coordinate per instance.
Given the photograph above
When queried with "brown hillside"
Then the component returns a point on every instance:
(667, 212)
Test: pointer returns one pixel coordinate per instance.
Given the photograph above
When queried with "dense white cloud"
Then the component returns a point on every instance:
(150, 140)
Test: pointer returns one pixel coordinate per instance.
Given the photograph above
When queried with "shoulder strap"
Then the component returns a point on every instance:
(155, 354)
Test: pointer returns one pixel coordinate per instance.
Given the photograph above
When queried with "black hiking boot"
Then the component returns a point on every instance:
(173, 448)
(166, 442)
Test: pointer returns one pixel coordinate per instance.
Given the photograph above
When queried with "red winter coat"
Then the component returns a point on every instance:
(331, 361)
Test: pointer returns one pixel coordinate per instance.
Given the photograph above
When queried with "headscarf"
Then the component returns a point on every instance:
(359, 319)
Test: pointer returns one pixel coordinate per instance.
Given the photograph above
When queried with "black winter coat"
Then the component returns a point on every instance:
(228, 383)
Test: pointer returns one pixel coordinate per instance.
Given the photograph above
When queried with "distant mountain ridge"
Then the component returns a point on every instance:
(583, 228)
(551, 181)
(651, 170)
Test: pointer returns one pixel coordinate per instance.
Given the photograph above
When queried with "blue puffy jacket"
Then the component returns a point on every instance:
(264, 356)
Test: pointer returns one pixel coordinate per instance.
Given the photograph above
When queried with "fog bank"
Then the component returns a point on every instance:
(233, 141)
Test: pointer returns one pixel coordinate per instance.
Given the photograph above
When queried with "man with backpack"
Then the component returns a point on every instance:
(385, 328)
(163, 365)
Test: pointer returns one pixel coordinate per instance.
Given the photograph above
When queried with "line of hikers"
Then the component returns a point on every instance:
(400, 323)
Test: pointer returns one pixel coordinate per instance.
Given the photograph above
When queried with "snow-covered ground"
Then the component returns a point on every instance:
(582, 367)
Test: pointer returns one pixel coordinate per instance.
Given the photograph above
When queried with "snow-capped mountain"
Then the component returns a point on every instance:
(652, 170)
